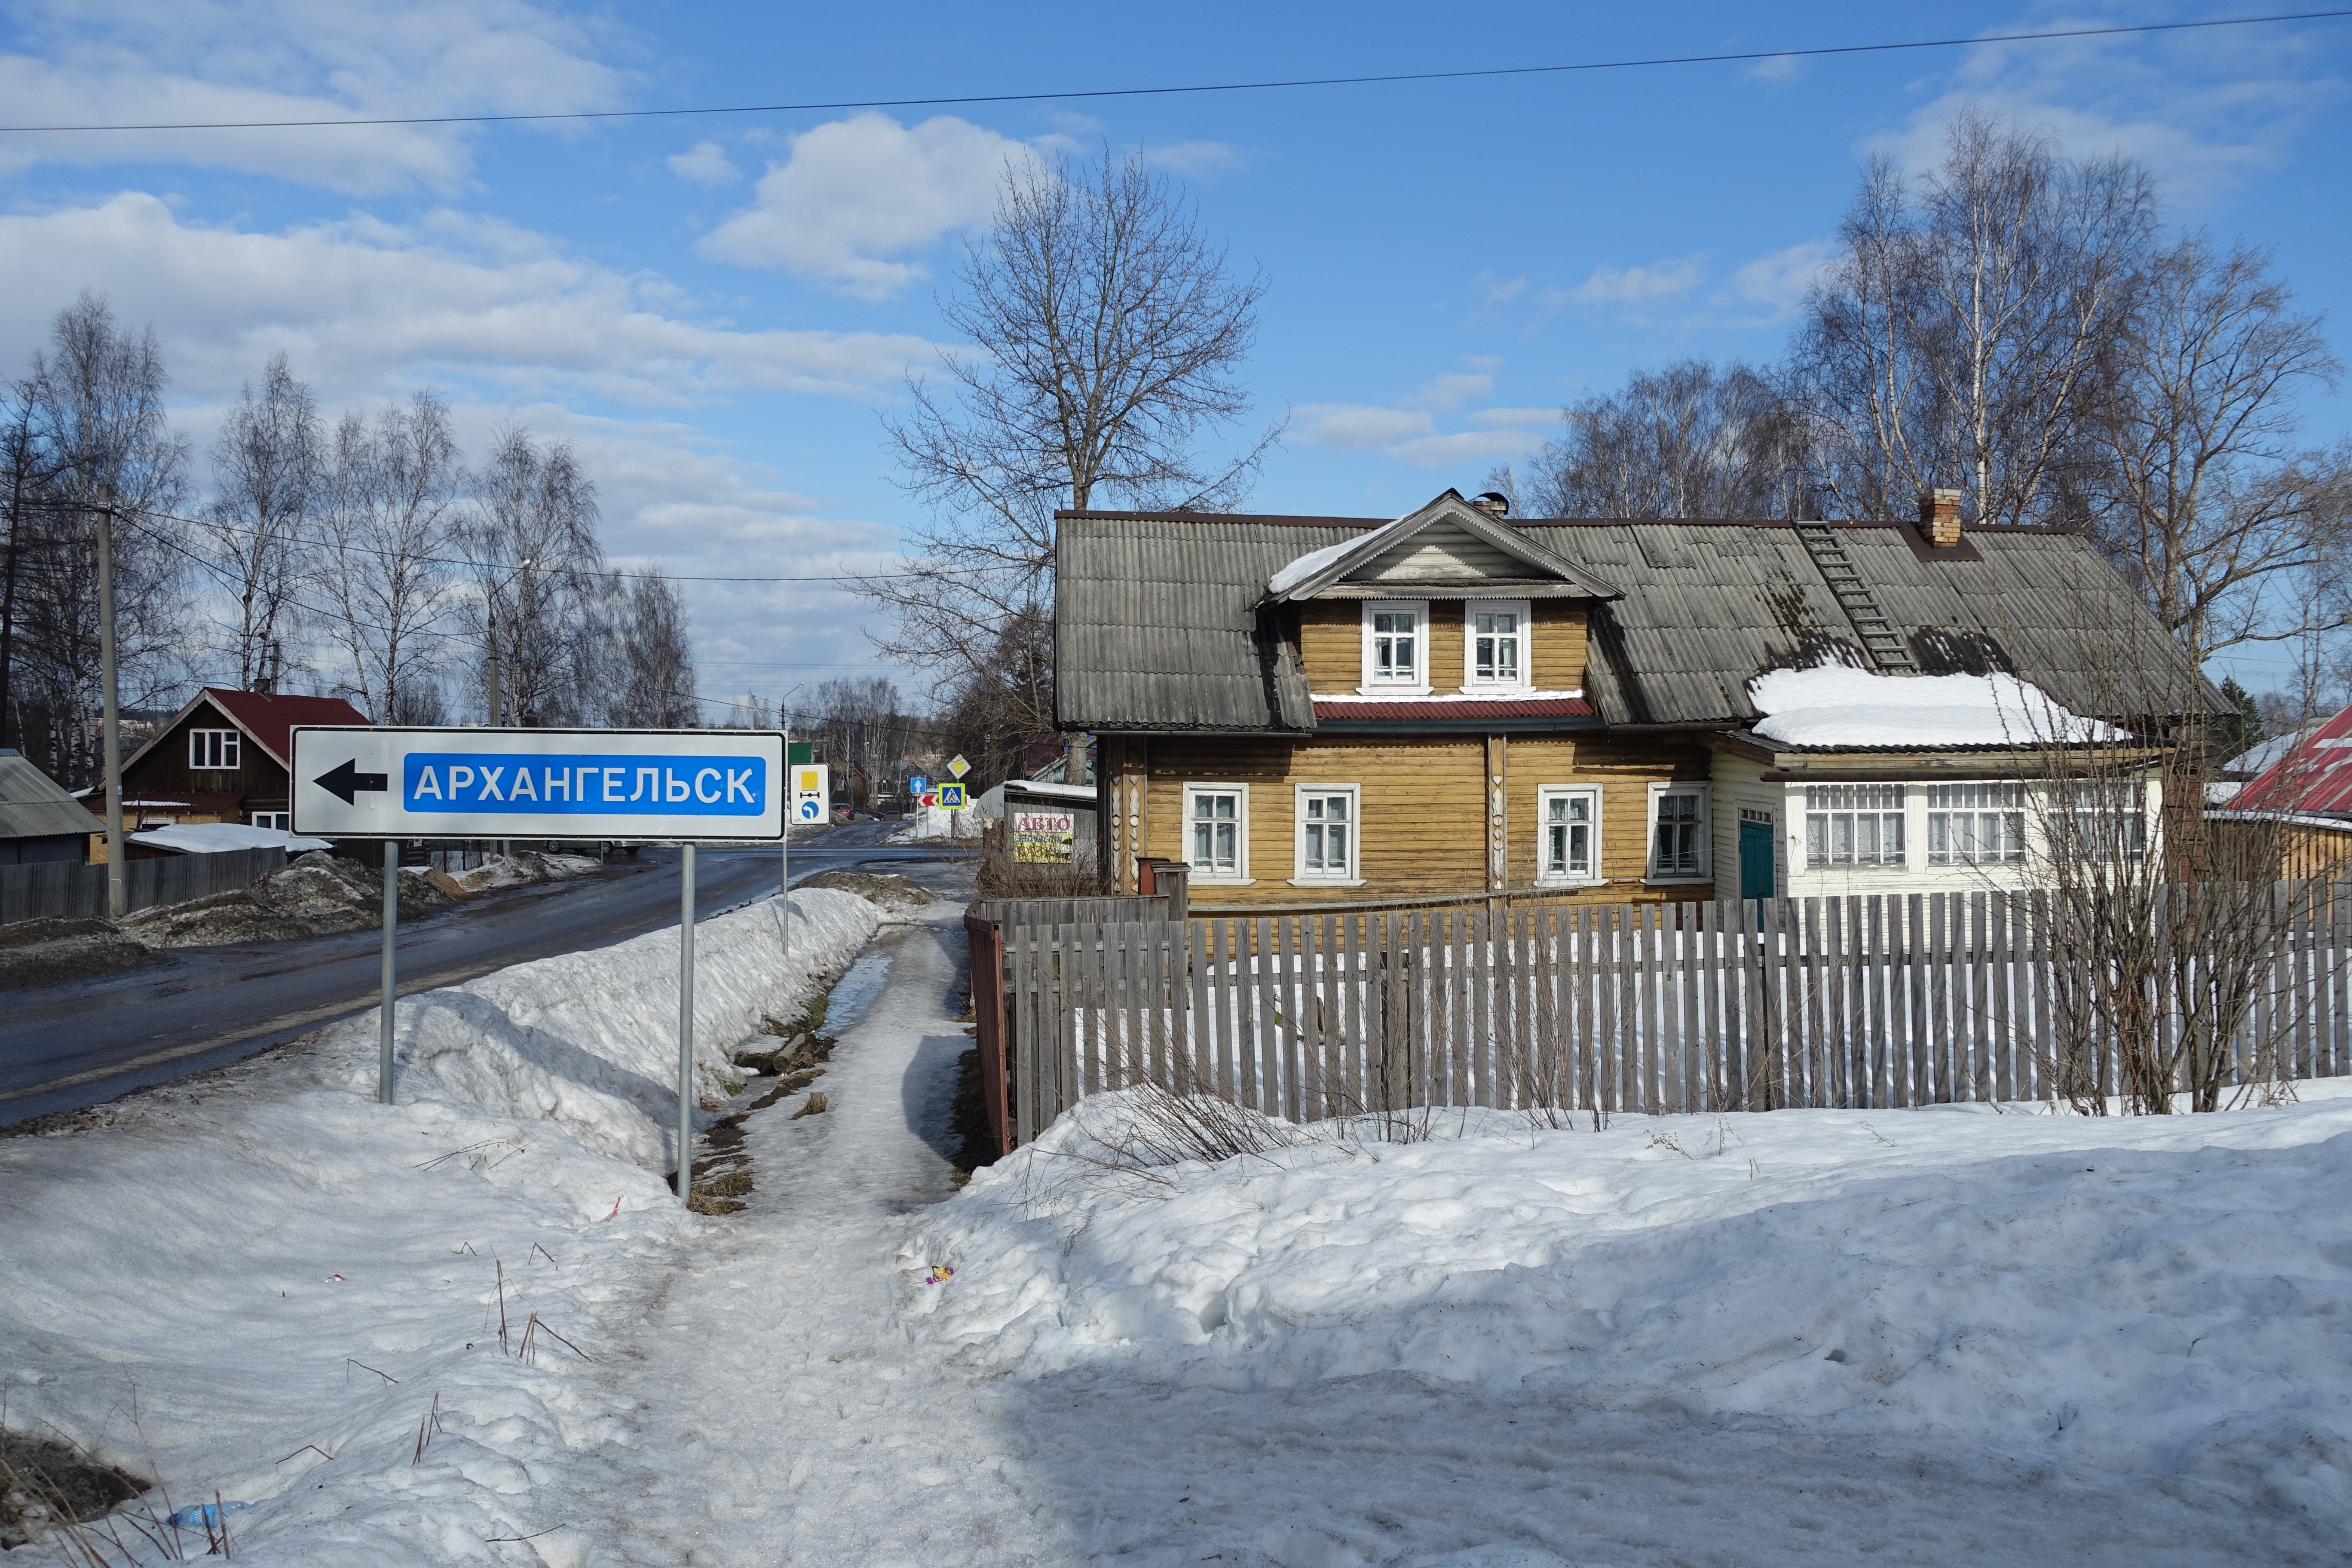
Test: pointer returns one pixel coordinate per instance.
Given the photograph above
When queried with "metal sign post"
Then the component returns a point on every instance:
(684, 785)
(391, 991)
(685, 1024)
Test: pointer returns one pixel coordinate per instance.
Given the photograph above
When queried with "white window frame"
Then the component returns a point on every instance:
(232, 747)
(283, 821)
(1706, 834)
(1852, 801)
(1524, 680)
(1349, 875)
(1545, 876)
(2010, 814)
(1210, 876)
(1419, 685)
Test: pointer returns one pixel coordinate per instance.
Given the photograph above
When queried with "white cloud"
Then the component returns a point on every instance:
(99, 62)
(856, 192)
(1633, 285)
(1775, 69)
(2203, 111)
(1467, 446)
(1408, 429)
(364, 308)
(1194, 160)
(1495, 417)
(1452, 389)
(704, 164)
(1779, 281)
(1355, 426)
(1496, 291)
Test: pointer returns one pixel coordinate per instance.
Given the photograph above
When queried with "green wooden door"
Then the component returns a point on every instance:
(1755, 860)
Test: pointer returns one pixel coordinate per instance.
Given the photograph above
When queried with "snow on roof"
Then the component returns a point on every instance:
(218, 837)
(1049, 787)
(1309, 564)
(2260, 758)
(1835, 706)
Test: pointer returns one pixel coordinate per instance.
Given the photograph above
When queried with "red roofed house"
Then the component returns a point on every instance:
(224, 757)
(2306, 789)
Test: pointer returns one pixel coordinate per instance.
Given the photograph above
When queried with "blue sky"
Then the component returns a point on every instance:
(715, 309)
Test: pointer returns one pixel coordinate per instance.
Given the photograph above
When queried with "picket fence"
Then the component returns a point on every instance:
(1863, 1002)
(62, 889)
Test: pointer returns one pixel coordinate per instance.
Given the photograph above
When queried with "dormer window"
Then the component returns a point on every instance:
(1494, 644)
(1396, 647)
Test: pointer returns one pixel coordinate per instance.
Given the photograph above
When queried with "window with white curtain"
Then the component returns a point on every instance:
(1854, 825)
(1976, 824)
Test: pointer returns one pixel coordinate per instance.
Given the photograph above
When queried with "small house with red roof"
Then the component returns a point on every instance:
(224, 757)
(2305, 789)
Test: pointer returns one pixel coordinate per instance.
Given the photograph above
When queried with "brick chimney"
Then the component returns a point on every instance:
(1939, 517)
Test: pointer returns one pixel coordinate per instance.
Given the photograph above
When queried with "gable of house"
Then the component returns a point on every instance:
(216, 779)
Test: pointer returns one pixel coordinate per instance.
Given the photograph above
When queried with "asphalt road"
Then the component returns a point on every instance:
(66, 1047)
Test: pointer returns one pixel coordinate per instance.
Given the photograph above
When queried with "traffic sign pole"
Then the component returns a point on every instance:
(391, 934)
(685, 1025)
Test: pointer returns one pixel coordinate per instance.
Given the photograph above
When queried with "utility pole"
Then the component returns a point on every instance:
(786, 720)
(118, 899)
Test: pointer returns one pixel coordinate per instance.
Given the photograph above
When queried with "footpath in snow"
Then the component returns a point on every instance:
(1927, 1338)
(262, 1283)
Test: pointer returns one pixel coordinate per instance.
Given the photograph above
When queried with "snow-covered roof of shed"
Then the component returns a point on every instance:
(1832, 705)
(218, 837)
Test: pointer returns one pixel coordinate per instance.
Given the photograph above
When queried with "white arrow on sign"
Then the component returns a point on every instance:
(710, 786)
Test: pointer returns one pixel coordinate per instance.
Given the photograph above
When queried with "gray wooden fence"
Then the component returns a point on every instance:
(1858, 1002)
(64, 889)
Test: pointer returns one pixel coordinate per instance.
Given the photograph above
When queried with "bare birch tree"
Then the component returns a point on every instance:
(536, 567)
(650, 677)
(268, 465)
(96, 397)
(389, 512)
(1959, 339)
(2206, 504)
(1105, 335)
(1689, 440)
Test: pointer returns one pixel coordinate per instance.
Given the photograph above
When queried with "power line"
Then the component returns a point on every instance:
(1490, 73)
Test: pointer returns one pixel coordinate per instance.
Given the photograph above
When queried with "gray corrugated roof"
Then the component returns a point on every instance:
(1163, 627)
(34, 806)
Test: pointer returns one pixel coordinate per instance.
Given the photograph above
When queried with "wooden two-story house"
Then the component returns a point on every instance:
(1320, 709)
(224, 757)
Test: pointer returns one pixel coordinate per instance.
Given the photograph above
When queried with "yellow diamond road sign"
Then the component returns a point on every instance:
(959, 767)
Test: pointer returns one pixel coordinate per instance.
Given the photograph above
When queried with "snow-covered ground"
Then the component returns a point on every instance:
(926, 823)
(235, 1278)
(1922, 1337)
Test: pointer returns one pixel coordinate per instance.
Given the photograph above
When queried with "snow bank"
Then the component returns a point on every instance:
(285, 1280)
(524, 869)
(215, 838)
(2165, 1294)
(1835, 706)
(929, 822)
(589, 1040)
